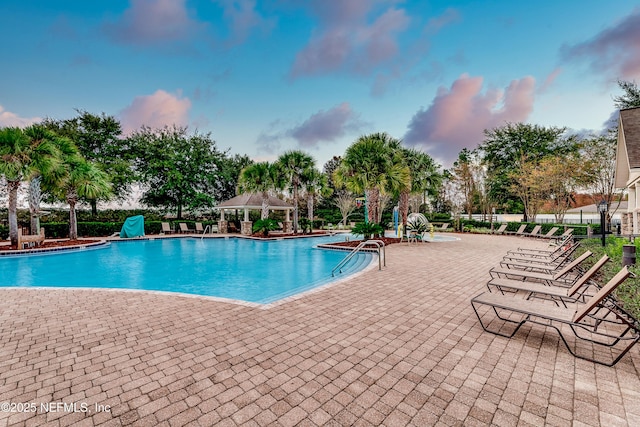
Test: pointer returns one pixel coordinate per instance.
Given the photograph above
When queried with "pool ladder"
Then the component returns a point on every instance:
(379, 247)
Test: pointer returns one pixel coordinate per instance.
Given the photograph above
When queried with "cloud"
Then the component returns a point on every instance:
(449, 16)
(614, 50)
(156, 111)
(551, 78)
(153, 22)
(458, 116)
(242, 17)
(347, 38)
(7, 118)
(323, 126)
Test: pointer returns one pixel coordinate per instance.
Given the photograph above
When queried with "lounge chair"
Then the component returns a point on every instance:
(536, 264)
(555, 275)
(199, 227)
(549, 234)
(599, 321)
(444, 226)
(166, 228)
(520, 230)
(534, 233)
(552, 288)
(501, 229)
(555, 256)
(185, 229)
(232, 228)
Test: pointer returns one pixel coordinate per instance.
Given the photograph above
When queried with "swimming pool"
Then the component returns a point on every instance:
(241, 269)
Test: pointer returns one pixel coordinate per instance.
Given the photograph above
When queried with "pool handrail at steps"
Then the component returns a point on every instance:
(382, 258)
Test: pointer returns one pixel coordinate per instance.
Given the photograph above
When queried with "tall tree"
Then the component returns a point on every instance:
(369, 165)
(260, 178)
(177, 169)
(505, 151)
(227, 184)
(99, 140)
(631, 96)
(464, 178)
(345, 201)
(294, 165)
(315, 186)
(19, 158)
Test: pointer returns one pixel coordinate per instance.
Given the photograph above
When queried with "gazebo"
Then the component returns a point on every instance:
(250, 201)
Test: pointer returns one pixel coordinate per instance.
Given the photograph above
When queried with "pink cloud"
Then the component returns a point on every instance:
(551, 78)
(148, 22)
(325, 126)
(348, 38)
(615, 49)
(449, 16)
(7, 118)
(243, 18)
(156, 111)
(457, 117)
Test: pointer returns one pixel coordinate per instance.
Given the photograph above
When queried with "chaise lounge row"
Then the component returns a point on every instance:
(552, 289)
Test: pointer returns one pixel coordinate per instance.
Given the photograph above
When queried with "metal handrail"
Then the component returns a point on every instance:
(380, 248)
(205, 231)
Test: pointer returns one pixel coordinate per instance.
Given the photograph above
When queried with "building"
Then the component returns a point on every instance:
(628, 166)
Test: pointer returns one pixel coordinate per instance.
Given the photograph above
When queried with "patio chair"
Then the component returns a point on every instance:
(565, 243)
(444, 226)
(551, 289)
(557, 240)
(501, 229)
(598, 324)
(185, 229)
(199, 227)
(519, 232)
(534, 233)
(536, 264)
(555, 256)
(549, 234)
(555, 275)
(166, 228)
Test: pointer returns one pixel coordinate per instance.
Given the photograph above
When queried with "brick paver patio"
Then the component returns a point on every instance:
(397, 347)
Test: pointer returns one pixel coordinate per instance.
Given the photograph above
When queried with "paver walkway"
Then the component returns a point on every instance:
(397, 347)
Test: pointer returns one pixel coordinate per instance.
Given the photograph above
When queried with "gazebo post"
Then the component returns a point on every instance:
(287, 225)
(246, 226)
(223, 225)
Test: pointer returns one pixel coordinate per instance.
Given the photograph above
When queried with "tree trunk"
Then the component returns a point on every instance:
(35, 196)
(265, 206)
(295, 208)
(12, 188)
(72, 199)
(179, 215)
(310, 209)
(373, 204)
(94, 208)
(404, 208)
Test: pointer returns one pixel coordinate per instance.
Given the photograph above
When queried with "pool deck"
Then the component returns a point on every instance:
(395, 347)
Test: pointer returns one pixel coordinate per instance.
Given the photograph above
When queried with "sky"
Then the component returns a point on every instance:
(264, 77)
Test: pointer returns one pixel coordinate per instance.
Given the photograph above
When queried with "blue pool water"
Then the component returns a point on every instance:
(248, 270)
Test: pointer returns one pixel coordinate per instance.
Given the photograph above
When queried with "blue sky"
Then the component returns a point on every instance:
(268, 76)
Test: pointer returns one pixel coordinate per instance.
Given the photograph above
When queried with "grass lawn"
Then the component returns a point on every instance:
(629, 291)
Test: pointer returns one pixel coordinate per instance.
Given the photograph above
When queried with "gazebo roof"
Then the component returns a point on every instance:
(254, 201)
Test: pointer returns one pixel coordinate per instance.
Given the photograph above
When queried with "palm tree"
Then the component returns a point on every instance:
(424, 177)
(46, 165)
(293, 165)
(18, 159)
(371, 165)
(259, 178)
(84, 179)
(316, 184)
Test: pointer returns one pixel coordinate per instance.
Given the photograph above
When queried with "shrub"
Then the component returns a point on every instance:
(367, 229)
(264, 226)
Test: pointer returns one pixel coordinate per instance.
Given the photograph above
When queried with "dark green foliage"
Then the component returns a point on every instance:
(264, 226)
(629, 291)
(178, 170)
(631, 96)
(4, 232)
(305, 225)
(367, 229)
